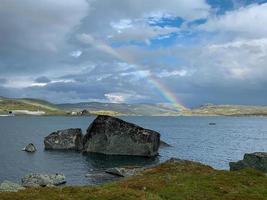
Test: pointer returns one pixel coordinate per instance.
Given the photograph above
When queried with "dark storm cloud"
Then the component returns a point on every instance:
(42, 79)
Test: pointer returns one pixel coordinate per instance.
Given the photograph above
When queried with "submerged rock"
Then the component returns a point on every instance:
(69, 139)
(43, 180)
(29, 148)
(164, 144)
(113, 136)
(8, 186)
(257, 160)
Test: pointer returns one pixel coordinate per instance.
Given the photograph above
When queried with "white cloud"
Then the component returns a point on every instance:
(116, 97)
(166, 73)
(76, 54)
(250, 21)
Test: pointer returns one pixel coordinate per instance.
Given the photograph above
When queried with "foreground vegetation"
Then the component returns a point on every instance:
(173, 180)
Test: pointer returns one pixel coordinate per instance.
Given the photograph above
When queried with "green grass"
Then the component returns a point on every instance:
(173, 181)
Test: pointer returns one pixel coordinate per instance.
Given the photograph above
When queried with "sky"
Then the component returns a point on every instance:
(190, 52)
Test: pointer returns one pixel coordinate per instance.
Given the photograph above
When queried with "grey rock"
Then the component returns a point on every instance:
(124, 172)
(43, 180)
(29, 148)
(113, 136)
(69, 139)
(257, 160)
(8, 186)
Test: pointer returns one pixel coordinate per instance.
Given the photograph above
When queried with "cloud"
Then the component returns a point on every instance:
(84, 50)
(76, 54)
(249, 21)
(36, 33)
(165, 73)
(42, 79)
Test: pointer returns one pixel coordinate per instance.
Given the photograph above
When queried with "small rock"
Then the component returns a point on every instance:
(8, 186)
(29, 148)
(43, 180)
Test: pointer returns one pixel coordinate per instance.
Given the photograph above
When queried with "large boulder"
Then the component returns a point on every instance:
(43, 180)
(8, 186)
(69, 139)
(256, 160)
(29, 148)
(113, 136)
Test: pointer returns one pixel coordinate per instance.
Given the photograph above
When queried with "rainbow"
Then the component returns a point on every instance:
(167, 93)
(157, 83)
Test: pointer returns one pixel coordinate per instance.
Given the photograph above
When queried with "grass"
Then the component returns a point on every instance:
(170, 181)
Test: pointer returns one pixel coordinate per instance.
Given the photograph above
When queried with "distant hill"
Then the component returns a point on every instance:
(123, 109)
(227, 110)
(35, 106)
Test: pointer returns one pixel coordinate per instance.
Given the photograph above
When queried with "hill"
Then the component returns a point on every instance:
(227, 110)
(40, 107)
(28, 106)
(123, 109)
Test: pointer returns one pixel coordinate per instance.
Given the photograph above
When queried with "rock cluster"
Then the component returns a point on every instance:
(257, 160)
(8, 186)
(43, 180)
(107, 135)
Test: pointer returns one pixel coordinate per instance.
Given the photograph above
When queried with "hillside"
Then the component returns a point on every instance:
(172, 180)
(31, 105)
(227, 110)
(124, 109)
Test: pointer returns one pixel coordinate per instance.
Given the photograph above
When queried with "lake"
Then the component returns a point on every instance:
(191, 138)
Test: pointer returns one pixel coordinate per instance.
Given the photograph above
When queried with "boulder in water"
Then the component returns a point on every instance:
(43, 180)
(29, 148)
(257, 160)
(69, 139)
(8, 186)
(113, 136)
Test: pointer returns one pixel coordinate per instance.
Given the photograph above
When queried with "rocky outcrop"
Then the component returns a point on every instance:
(256, 160)
(124, 172)
(43, 180)
(69, 139)
(113, 136)
(8, 186)
(29, 148)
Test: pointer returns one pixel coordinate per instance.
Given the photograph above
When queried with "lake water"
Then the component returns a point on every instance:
(191, 138)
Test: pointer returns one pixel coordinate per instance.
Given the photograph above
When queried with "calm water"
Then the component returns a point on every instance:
(191, 137)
